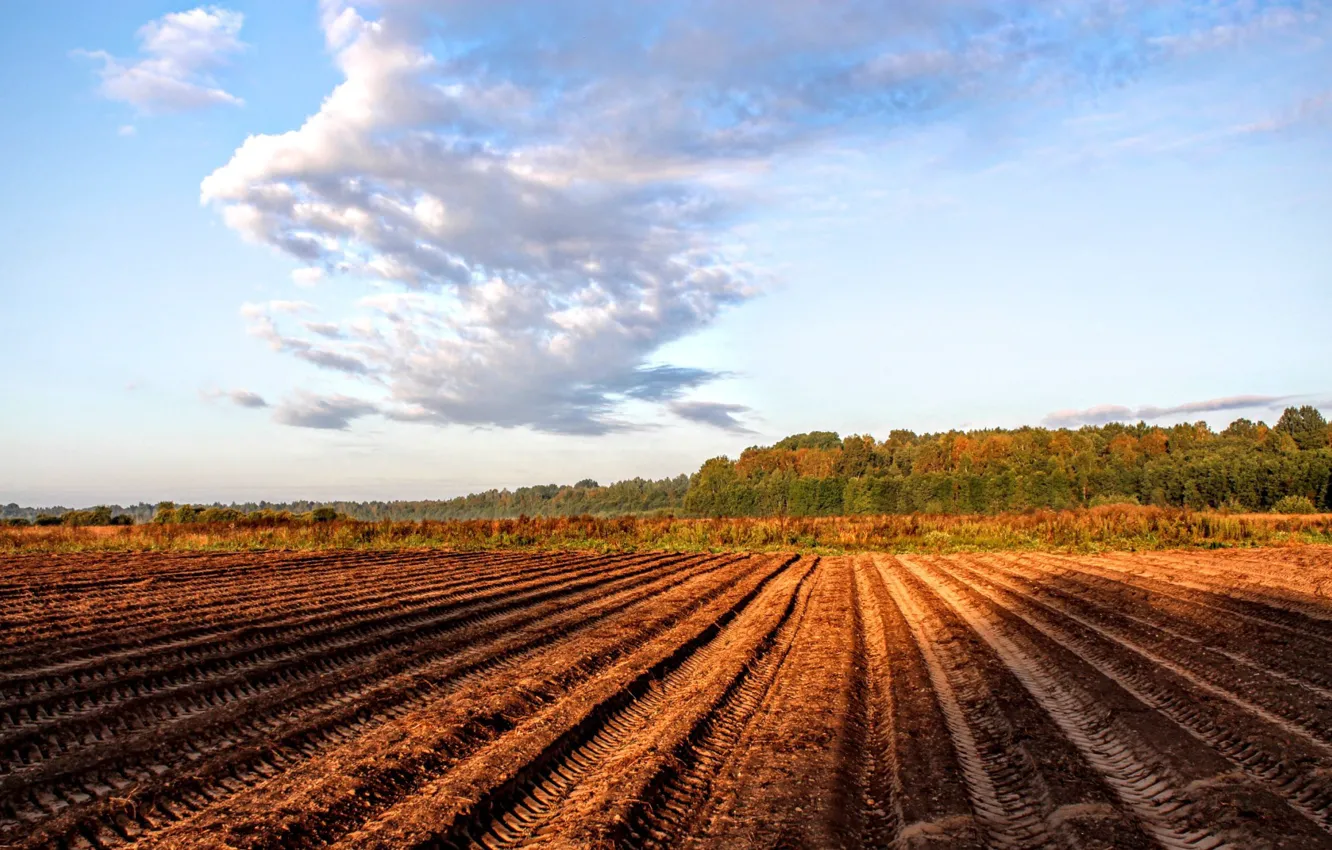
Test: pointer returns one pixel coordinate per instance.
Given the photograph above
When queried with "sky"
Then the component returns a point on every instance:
(418, 248)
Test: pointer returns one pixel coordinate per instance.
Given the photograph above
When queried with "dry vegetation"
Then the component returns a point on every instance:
(504, 699)
(1095, 529)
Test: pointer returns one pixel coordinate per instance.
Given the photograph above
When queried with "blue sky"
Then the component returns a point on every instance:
(411, 249)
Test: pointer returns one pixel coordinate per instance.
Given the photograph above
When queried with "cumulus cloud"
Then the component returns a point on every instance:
(330, 412)
(713, 413)
(1101, 414)
(178, 52)
(537, 224)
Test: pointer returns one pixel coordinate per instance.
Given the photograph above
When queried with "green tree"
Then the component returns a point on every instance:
(710, 488)
(1305, 425)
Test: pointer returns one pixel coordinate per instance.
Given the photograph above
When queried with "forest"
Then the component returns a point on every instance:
(1247, 467)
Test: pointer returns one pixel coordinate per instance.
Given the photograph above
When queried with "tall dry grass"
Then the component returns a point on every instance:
(1094, 529)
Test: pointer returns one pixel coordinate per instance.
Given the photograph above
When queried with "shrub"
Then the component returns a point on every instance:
(16, 522)
(100, 515)
(47, 519)
(323, 514)
(1294, 505)
(220, 515)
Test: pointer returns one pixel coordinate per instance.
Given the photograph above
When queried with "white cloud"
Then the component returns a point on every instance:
(538, 224)
(178, 52)
(542, 291)
(126, 130)
(307, 276)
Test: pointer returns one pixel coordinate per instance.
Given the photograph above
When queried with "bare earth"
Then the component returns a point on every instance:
(427, 699)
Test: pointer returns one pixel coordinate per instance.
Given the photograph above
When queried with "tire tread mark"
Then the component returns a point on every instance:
(1221, 724)
(1147, 790)
(671, 801)
(1008, 797)
(509, 814)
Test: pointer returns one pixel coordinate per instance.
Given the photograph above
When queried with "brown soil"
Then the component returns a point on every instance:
(419, 699)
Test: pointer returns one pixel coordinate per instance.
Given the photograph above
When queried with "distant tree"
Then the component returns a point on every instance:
(1112, 499)
(1305, 425)
(100, 515)
(1241, 428)
(812, 440)
(711, 487)
(586, 484)
(857, 456)
(1281, 442)
(219, 514)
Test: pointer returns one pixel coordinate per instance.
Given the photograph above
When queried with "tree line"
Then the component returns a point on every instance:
(1248, 466)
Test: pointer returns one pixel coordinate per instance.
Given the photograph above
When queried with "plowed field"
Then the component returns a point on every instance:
(427, 699)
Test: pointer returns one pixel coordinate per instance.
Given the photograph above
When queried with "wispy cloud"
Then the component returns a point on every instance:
(1101, 414)
(1098, 415)
(178, 52)
(245, 398)
(716, 414)
(1315, 110)
(331, 412)
(238, 397)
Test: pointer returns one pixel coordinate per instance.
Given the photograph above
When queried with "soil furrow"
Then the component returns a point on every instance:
(305, 609)
(391, 763)
(667, 786)
(1273, 651)
(409, 699)
(1285, 766)
(1146, 786)
(791, 777)
(79, 693)
(512, 814)
(1008, 796)
(233, 725)
(1275, 701)
(100, 727)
